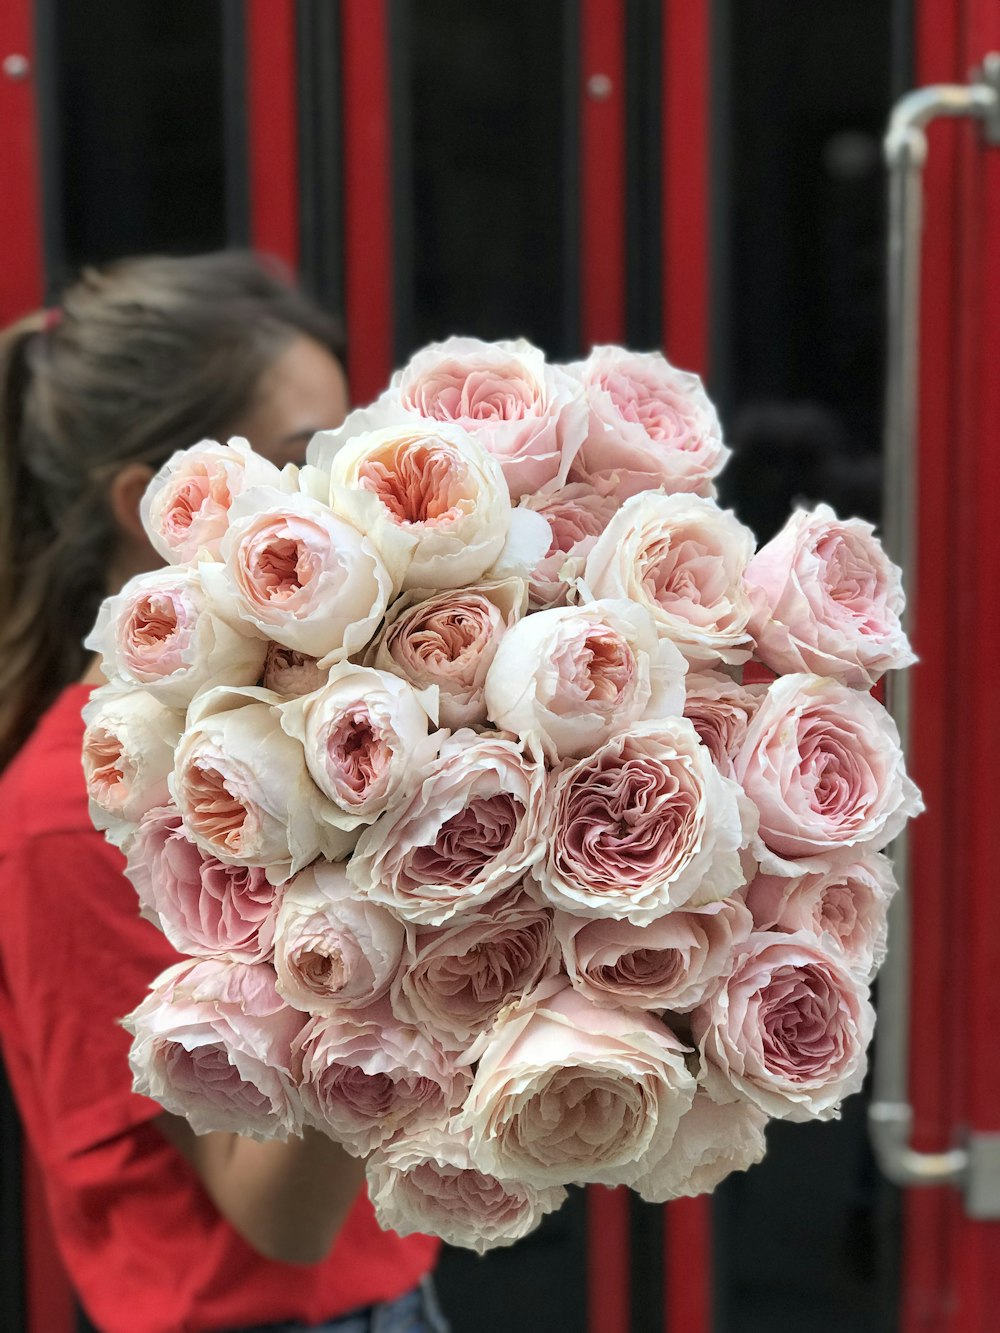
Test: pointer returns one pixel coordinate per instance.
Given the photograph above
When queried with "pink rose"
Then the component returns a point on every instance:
(162, 632)
(366, 1078)
(365, 736)
(185, 510)
(243, 788)
(575, 675)
(828, 600)
(128, 752)
(848, 906)
(212, 1041)
(823, 765)
(468, 832)
(455, 980)
(683, 559)
(567, 1091)
(530, 416)
(671, 962)
(651, 425)
(720, 711)
(430, 497)
(576, 515)
(428, 1184)
(787, 1030)
(201, 904)
(300, 574)
(713, 1140)
(333, 950)
(290, 673)
(644, 825)
(449, 640)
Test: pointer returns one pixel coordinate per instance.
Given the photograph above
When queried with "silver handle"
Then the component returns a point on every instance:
(890, 1114)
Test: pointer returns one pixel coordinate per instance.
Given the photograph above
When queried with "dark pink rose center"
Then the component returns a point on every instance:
(468, 841)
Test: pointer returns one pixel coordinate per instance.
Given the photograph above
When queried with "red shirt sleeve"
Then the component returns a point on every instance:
(77, 959)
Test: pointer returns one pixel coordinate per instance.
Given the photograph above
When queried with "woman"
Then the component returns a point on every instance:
(161, 1230)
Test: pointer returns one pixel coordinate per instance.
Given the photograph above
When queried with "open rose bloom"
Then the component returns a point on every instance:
(437, 758)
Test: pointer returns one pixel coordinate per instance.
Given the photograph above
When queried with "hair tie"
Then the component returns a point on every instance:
(52, 318)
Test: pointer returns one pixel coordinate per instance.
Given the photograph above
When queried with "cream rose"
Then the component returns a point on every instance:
(713, 1140)
(720, 711)
(576, 515)
(683, 559)
(290, 673)
(128, 752)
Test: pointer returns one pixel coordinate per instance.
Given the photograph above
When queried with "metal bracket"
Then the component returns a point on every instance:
(982, 1182)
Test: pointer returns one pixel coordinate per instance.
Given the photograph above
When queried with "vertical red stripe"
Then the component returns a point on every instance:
(21, 273)
(685, 202)
(602, 172)
(51, 1305)
(608, 1277)
(367, 196)
(272, 120)
(687, 1260)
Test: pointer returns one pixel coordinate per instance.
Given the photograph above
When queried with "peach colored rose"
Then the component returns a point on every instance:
(529, 415)
(448, 640)
(289, 673)
(713, 1140)
(671, 962)
(720, 711)
(644, 825)
(576, 515)
(427, 1184)
(128, 752)
(185, 510)
(575, 675)
(786, 1030)
(828, 600)
(333, 950)
(823, 765)
(212, 1042)
(567, 1091)
(683, 559)
(468, 832)
(651, 425)
(202, 905)
(366, 1078)
(162, 632)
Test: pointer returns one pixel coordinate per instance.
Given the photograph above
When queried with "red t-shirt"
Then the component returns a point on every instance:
(145, 1247)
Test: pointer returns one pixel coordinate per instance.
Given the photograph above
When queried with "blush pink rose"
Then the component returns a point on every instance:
(299, 574)
(212, 1042)
(431, 498)
(569, 1092)
(290, 673)
(787, 1029)
(366, 1078)
(671, 962)
(128, 752)
(683, 559)
(427, 1184)
(202, 905)
(644, 825)
(529, 415)
(720, 711)
(455, 980)
(161, 632)
(575, 675)
(449, 640)
(332, 949)
(848, 906)
(651, 426)
(713, 1140)
(824, 767)
(468, 832)
(828, 600)
(185, 510)
(366, 739)
(576, 515)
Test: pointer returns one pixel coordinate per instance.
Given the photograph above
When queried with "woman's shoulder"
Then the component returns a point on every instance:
(43, 791)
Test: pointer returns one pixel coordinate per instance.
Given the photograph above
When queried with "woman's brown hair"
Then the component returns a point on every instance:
(142, 357)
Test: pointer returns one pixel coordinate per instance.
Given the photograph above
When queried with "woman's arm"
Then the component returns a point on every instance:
(287, 1200)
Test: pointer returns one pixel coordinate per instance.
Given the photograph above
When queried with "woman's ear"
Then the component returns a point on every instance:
(127, 489)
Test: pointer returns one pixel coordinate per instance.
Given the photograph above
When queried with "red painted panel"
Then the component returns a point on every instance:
(608, 1281)
(685, 202)
(51, 1305)
(21, 274)
(272, 121)
(602, 172)
(687, 1259)
(367, 196)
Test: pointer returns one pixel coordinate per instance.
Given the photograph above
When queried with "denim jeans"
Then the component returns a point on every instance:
(416, 1312)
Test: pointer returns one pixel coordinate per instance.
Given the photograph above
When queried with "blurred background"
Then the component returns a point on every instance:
(702, 177)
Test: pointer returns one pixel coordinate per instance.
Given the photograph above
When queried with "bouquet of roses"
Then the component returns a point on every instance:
(434, 757)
